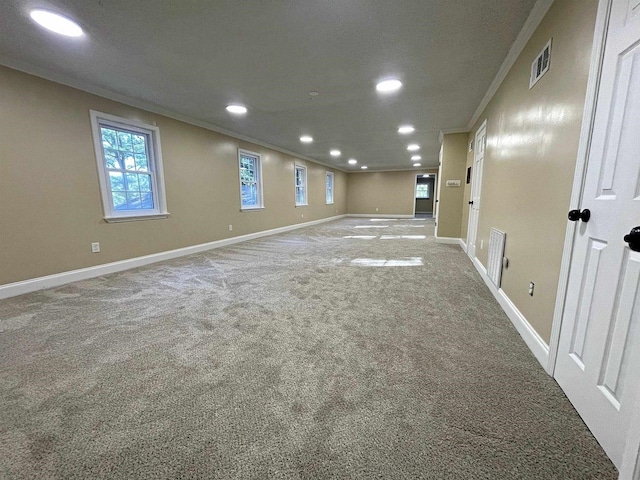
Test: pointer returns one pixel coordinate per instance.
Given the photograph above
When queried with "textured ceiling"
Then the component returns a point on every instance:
(195, 57)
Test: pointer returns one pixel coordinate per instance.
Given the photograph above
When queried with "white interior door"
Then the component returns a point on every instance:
(439, 183)
(476, 184)
(599, 347)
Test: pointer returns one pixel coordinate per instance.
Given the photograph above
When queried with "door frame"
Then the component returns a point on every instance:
(476, 181)
(584, 145)
(631, 458)
(415, 191)
(437, 186)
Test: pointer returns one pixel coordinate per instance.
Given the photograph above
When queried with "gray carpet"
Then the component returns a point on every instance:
(302, 355)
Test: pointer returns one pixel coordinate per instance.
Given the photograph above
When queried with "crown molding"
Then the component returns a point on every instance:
(538, 12)
(87, 87)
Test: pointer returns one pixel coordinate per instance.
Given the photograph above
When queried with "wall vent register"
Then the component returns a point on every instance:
(540, 65)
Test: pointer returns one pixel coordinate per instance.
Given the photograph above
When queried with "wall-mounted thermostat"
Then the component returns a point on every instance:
(453, 183)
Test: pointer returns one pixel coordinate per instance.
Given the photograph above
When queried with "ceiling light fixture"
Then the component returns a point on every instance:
(389, 85)
(413, 147)
(364, 167)
(56, 23)
(417, 164)
(237, 109)
(335, 153)
(352, 161)
(406, 129)
(306, 139)
(416, 158)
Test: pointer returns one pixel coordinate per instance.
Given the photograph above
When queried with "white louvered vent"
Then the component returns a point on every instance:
(540, 65)
(496, 253)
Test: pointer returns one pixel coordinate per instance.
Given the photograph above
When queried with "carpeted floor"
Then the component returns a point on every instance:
(354, 349)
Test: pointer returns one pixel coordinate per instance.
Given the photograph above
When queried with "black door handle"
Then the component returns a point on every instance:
(584, 215)
(471, 202)
(633, 239)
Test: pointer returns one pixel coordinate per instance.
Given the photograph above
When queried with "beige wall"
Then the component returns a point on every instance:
(382, 193)
(454, 159)
(50, 207)
(532, 141)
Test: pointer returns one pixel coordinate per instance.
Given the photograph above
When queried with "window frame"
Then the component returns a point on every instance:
(303, 168)
(428, 197)
(327, 190)
(258, 157)
(154, 158)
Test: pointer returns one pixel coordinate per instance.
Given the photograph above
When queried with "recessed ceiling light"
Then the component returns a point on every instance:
(364, 167)
(56, 23)
(405, 129)
(238, 109)
(352, 161)
(413, 147)
(417, 164)
(389, 85)
(335, 153)
(306, 139)
(416, 157)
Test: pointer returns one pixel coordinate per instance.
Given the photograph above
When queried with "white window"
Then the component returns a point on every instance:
(129, 167)
(329, 188)
(250, 180)
(422, 190)
(301, 185)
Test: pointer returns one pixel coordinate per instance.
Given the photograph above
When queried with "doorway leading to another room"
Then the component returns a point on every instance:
(424, 197)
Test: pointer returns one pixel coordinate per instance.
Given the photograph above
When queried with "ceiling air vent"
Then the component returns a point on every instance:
(540, 65)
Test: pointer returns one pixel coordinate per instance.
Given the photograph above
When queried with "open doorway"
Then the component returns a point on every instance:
(424, 198)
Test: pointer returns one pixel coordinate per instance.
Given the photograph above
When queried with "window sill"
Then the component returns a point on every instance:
(302, 205)
(332, 203)
(135, 218)
(251, 209)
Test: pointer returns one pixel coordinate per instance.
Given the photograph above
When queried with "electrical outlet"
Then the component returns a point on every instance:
(376, 209)
(481, 244)
(95, 247)
(230, 227)
(531, 287)
(302, 215)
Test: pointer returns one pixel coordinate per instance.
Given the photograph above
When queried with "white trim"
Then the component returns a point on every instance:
(333, 183)
(588, 118)
(81, 85)
(258, 173)
(154, 157)
(535, 343)
(538, 12)
(305, 203)
(377, 215)
(55, 280)
(463, 245)
(448, 240)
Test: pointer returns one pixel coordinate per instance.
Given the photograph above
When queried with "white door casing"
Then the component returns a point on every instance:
(476, 185)
(599, 345)
(439, 183)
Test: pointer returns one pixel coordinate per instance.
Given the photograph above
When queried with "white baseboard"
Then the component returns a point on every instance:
(55, 280)
(448, 240)
(535, 343)
(376, 215)
(463, 245)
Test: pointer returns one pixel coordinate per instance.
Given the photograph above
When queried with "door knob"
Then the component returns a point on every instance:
(633, 239)
(584, 215)
(471, 202)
